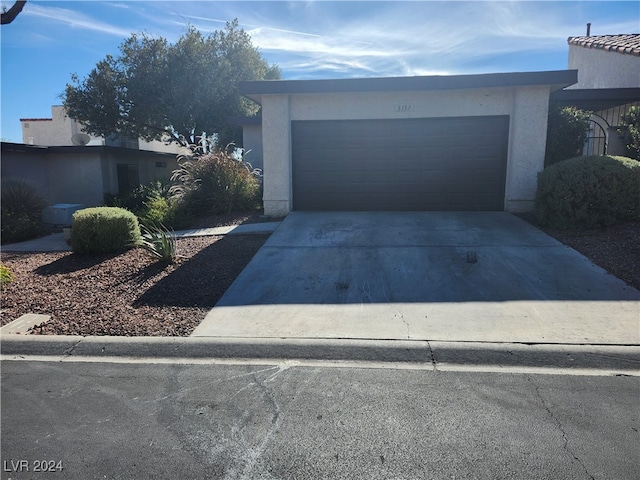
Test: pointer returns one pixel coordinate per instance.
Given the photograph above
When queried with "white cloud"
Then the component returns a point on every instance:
(417, 38)
(74, 19)
(123, 6)
(369, 38)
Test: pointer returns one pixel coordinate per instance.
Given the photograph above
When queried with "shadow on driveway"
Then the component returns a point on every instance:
(449, 276)
(424, 257)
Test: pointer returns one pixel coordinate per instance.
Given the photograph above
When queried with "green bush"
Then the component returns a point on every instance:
(567, 131)
(160, 211)
(587, 192)
(6, 275)
(630, 132)
(21, 211)
(152, 205)
(103, 230)
(136, 200)
(215, 183)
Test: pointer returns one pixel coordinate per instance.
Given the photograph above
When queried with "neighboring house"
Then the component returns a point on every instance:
(461, 142)
(251, 139)
(60, 130)
(608, 84)
(83, 175)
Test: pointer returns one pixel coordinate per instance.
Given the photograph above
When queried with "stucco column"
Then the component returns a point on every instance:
(276, 154)
(528, 137)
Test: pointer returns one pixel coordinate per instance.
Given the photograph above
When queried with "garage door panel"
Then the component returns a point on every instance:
(410, 164)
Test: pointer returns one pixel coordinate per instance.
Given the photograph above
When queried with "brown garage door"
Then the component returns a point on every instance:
(454, 163)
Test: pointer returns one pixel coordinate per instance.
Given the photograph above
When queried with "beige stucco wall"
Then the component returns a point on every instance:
(527, 142)
(276, 154)
(526, 107)
(603, 69)
(53, 132)
(58, 130)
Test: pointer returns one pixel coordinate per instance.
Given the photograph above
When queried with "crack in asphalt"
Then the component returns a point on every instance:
(561, 428)
(270, 400)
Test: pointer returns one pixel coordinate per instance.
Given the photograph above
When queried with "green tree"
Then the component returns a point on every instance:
(567, 131)
(156, 90)
(629, 131)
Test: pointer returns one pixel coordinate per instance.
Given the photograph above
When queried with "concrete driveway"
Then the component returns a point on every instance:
(448, 276)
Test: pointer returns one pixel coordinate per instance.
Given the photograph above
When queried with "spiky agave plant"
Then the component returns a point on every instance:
(159, 242)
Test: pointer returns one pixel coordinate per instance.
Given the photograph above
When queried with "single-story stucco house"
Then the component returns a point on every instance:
(83, 175)
(461, 142)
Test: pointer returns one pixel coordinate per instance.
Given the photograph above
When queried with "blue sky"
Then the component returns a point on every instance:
(50, 40)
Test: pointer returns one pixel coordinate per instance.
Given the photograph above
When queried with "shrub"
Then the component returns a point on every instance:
(103, 230)
(630, 132)
(216, 182)
(567, 131)
(135, 201)
(160, 211)
(6, 275)
(159, 242)
(588, 192)
(21, 211)
(151, 204)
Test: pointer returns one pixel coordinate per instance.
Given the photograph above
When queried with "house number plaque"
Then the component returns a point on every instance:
(403, 108)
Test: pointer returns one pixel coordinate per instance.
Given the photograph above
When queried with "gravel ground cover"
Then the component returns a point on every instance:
(128, 294)
(615, 248)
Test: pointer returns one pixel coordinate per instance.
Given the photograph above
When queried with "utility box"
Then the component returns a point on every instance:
(60, 214)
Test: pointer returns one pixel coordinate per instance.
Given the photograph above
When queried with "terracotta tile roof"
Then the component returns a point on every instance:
(627, 43)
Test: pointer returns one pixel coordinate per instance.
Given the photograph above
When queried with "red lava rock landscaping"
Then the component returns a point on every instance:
(126, 294)
(615, 248)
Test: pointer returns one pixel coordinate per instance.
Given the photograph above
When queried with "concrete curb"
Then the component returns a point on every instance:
(433, 353)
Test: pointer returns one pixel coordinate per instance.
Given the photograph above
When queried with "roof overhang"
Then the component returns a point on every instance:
(74, 149)
(557, 80)
(596, 99)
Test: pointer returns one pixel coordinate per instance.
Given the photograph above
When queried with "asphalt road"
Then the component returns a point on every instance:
(173, 421)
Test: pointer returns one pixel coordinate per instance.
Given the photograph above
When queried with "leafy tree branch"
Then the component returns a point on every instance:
(10, 15)
(178, 92)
